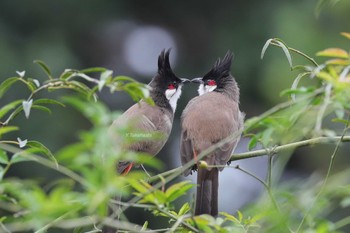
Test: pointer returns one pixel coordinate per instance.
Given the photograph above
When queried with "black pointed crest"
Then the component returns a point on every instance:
(164, 68)
(222, 67)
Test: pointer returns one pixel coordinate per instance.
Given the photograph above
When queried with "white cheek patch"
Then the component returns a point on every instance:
(169, 93)
(173, 95)
(205, 89)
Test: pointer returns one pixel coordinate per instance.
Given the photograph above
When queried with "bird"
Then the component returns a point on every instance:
(149, 125)
(207, 119)
(152, 124)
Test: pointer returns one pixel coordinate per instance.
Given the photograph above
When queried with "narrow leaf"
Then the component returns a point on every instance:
(8, 107)
(26, 107)
(42, 149)
(48, 101)
(184, 209)
(333, 52)
(3, 157)
(7, 129)
(5, 85)
(177, 190)
(285, 50)
(42, 108)
(44, 67)
(18, 157)
(93, 70)
(266, 45)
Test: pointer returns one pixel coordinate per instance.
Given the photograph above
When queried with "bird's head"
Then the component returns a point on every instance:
(218, 77)
(166, 82)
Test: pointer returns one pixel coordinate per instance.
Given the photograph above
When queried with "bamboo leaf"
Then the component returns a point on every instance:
(5, 85)
(177, 190)
(285, 50)
(266, 45)
(8, 107)
(3, 157)
(93, 70)
(44, 67)
(18, 157)
(42, 108)
(48, 101)
(333, 52)
(184, 209)
(42, 149)
(7, 129)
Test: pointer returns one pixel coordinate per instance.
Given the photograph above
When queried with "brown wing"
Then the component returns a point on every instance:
(207, 120)
(149, 128)
(186, 151)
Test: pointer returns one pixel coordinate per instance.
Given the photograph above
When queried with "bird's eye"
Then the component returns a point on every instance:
(171, 86)
(211, 82)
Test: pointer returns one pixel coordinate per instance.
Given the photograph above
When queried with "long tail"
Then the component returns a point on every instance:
(207, 192)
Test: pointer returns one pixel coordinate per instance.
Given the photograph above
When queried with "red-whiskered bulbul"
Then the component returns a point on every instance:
(152, 123)
(212, 116)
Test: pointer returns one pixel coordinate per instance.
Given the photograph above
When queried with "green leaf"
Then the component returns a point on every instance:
(93, 70)
(80, 87)
(177, 190)
(184, 209)
(230, 217)
(42, 149)
(252, 143)
(339, 120)
(44, 67)
(66, 74)
(48, 101)
(18, 157)
(2, 172)
(5, 85)
(144, 226)
(5, 109)
(7, 129)
(42, 108)
(3, 157)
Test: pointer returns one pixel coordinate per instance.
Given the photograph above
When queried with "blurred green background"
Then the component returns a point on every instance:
(127, 36)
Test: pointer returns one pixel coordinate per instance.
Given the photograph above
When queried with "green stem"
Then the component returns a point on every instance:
(297, 52)
(293, 145)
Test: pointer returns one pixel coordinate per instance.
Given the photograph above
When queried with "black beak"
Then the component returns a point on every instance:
(197, 80)
(185, 80)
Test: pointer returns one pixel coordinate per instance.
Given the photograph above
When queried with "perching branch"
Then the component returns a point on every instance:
(262, 152)
(293, 145)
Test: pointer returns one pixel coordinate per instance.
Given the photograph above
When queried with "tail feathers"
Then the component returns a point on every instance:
(207, 192)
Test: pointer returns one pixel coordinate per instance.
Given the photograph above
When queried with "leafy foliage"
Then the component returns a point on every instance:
(88, 181)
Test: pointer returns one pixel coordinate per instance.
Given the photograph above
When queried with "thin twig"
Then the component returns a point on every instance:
(298, 52)
(293, 145)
